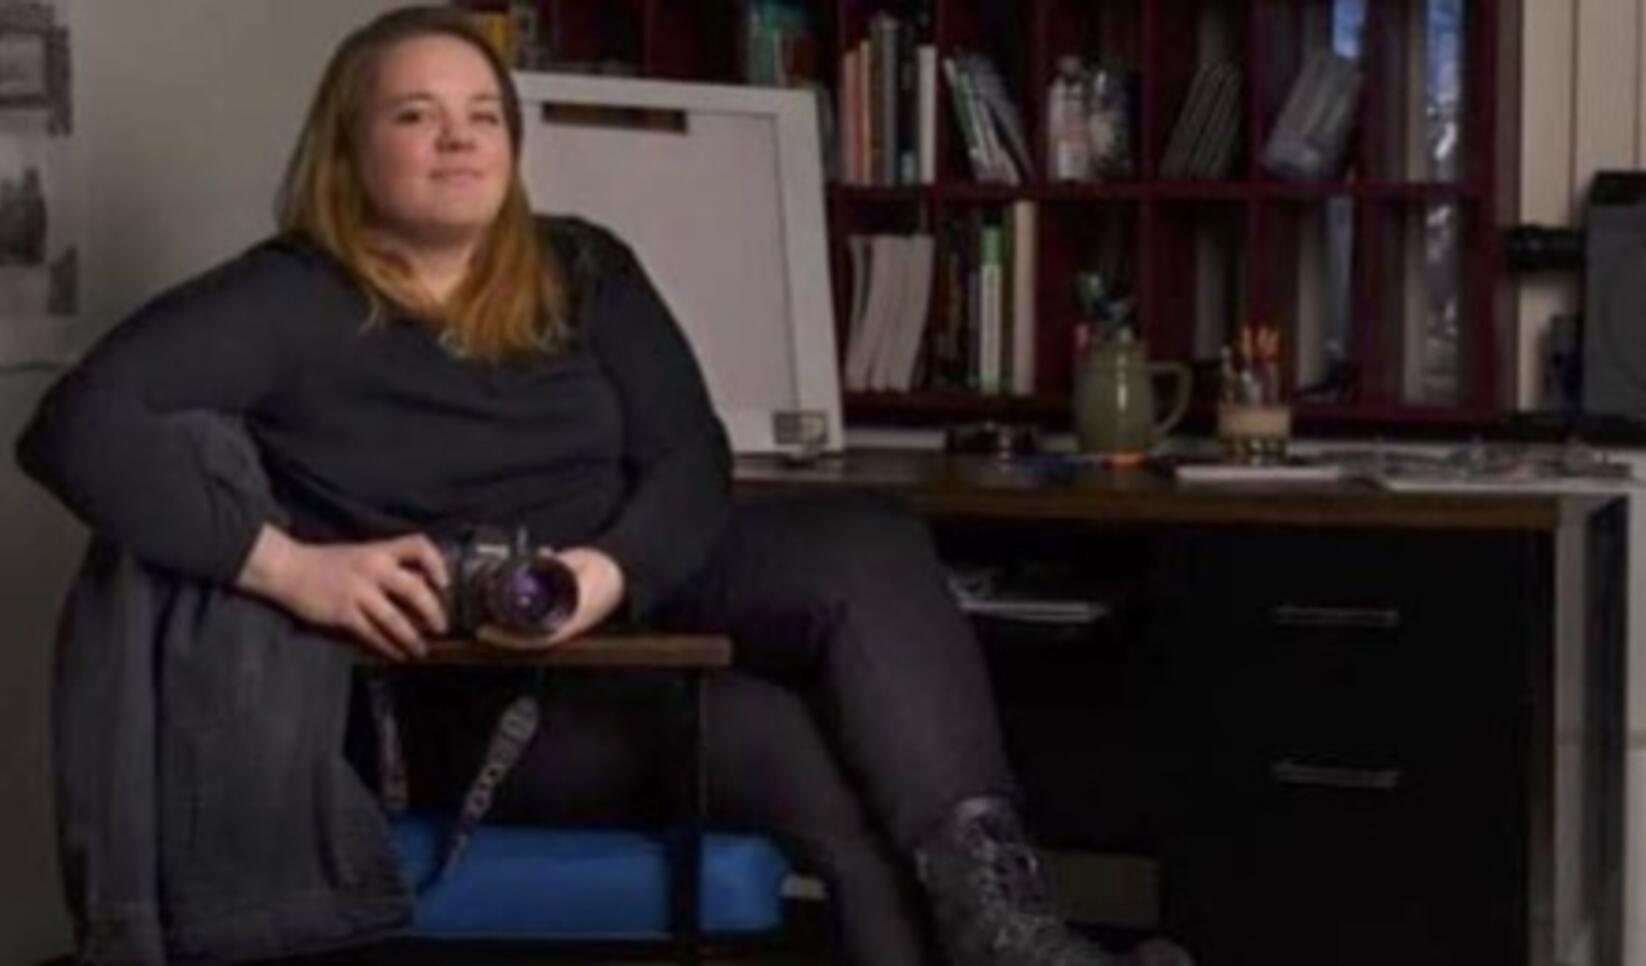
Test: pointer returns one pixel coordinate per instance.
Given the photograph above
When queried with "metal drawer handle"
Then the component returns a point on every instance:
(1289, 772)
(1350, 618)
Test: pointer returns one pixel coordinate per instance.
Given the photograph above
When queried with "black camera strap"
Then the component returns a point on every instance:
(392, 786)
(516, 727)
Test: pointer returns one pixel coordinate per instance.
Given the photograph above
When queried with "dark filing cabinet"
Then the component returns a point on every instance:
(1349, 726)
(1393, 745)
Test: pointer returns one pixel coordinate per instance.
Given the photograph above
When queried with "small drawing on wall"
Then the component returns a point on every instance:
(39, 278)
(22, 65)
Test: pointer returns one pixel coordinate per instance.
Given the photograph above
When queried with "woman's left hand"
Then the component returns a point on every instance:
(599, 589)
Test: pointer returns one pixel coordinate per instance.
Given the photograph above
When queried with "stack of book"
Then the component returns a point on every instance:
(888, 104)
(989, 122)
(984, 340)
(1208, 128)
(779, 44)
(1312, 131)
(981, 339)
(891, 297)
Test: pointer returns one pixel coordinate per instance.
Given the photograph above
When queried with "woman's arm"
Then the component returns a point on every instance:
(103, 441)
(675, 449)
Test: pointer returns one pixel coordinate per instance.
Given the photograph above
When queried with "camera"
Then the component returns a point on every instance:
(507, 583)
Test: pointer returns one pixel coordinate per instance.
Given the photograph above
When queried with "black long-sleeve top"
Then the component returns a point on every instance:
(375, 431)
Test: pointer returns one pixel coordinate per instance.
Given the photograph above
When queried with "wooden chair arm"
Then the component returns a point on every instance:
(492, 647)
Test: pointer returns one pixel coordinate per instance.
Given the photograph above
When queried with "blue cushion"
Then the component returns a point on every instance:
(546, 882)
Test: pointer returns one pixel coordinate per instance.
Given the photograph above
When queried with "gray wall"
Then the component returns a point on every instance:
(185, 111)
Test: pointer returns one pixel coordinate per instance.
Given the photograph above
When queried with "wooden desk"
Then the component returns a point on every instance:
(1356, 727)
(968, 486)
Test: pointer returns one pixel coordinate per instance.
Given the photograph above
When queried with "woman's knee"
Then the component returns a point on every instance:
(770, 765)
(838, 539)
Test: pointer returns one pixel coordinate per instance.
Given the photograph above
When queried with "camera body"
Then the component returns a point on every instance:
(505, 582)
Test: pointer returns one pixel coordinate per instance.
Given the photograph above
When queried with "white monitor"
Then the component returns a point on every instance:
(719, 190)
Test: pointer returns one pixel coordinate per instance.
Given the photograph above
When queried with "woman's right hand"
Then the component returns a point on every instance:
(380, 592)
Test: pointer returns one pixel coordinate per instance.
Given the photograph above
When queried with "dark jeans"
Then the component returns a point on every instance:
(859, 714)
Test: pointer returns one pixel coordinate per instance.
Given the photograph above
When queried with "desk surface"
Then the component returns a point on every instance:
(1050, 488)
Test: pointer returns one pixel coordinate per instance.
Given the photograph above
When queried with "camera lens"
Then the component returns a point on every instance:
(533, 596)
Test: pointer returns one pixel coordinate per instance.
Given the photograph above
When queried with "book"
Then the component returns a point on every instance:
(907, 98)
(884, 30)
(1002, 115)
(779, 49)
(857, 250)
(1309, 324)
(880, 308)
(926, 110)
(965, 120)
(1214, 152)
(867, 136)
(991, 316)
(1309, 138)
(902, 351)
(1196, 114)
(851, 131)
(947, 352)
(1025, 250)
(978, 113)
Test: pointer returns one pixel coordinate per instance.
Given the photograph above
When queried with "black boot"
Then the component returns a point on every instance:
(990, 899)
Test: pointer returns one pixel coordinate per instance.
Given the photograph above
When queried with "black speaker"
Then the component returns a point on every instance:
(1614, 299)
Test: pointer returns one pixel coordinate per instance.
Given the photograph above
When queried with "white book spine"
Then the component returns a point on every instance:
(927, 93)
(879, 306)
(1002, 169)
(991, 325)
(895, 266)
(917, 269)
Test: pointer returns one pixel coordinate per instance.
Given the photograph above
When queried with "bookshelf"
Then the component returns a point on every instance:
(1381, 271)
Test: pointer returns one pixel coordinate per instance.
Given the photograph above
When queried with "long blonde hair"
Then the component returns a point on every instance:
(513, 299)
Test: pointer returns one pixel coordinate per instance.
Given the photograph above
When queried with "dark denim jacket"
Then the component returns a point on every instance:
(205, 810)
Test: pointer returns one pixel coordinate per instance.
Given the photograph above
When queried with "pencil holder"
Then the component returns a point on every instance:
(1254, 432)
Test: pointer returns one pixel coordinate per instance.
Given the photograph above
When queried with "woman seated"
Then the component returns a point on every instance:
(413, 354)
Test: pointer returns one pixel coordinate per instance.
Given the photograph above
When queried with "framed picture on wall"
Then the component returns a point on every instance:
(25, 80)
(39, 203)
(34, 64)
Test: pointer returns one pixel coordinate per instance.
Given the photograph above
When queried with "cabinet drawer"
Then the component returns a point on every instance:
(1362, 876)
(1348, 704)
(1336, 655)
(1341, 585)
(1339, 609)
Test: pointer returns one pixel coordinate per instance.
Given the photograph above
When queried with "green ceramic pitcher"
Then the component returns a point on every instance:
(1116, 414)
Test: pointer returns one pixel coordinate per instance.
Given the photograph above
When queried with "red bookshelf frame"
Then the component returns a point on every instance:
(700, 40)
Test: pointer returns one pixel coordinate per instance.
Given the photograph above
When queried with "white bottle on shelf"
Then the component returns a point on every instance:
(1068, 157)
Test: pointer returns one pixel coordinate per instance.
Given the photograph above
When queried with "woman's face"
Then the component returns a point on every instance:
(435, 157)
